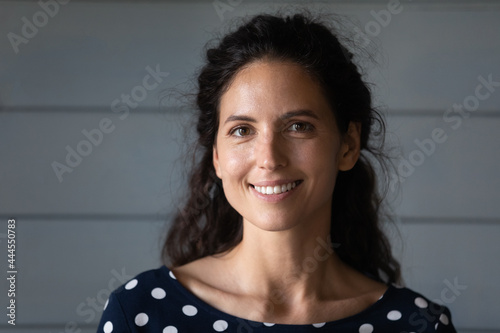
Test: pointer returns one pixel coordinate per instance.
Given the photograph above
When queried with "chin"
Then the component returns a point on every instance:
(270, 223)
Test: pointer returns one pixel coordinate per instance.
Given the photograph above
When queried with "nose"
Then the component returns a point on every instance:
(271, 151)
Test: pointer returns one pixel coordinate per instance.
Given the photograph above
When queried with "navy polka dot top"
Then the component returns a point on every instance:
(154, 301)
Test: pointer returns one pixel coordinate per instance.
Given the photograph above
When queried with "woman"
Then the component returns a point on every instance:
(280, 232)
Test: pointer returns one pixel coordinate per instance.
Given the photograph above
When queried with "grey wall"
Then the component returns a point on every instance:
(82, 235)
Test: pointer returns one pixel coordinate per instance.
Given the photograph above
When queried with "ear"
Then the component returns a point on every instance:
(215, 159)
(350, 148)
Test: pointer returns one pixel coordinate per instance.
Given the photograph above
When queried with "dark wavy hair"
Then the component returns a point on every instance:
(208, 225)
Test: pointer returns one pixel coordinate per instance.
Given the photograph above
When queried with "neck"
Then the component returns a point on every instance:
(289, 264)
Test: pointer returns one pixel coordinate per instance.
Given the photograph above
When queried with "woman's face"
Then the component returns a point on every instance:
(278, 149)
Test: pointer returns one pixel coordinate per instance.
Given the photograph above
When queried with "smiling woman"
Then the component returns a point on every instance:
(288, 235)
(280, 147)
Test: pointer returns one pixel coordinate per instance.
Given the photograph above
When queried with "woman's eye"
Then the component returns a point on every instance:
(301, 127)
(240, 131)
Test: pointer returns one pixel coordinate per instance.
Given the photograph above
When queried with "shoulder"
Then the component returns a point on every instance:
(138, 301)
(145, 280)
(410, 311)
(207, 276)
(146, 287)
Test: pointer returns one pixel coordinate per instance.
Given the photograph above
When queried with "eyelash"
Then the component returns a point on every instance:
(308, 128)
(234, 130)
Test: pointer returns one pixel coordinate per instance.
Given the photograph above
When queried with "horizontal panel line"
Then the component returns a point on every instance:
(71, 109)
(440, 113)
(167, 217)
(85, 217)
(91, 109)
(447, 220)
(49, 326)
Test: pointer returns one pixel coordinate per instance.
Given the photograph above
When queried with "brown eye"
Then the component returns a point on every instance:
(241, 131)
(301, 127)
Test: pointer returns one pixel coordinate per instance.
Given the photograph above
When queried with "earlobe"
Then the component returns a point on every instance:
(215, 159)
(350, 149)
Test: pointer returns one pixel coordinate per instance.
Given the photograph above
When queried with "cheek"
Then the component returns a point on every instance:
(321, 157)
(321, 163)
(233, 162)
(234, 168)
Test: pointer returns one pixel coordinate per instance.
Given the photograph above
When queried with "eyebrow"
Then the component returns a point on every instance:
(288, 115)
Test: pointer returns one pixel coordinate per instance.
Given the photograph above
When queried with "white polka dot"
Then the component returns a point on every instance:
(141, 319)
(170, 329)
(106, 304)
(421, 303)
(131, 284)
(108, 327)
(394, 315)
(220, 325)
(318, 325)
(397, 286)
(268, 324)
(444, 319)
(172, 275)
(436, 326)
(158, 293)
(189, 310)
(366, 328)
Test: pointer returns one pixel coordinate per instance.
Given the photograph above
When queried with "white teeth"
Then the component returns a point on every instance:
(275, 189)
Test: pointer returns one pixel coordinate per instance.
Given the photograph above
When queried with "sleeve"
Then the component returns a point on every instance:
(444, 323)
(113, 318)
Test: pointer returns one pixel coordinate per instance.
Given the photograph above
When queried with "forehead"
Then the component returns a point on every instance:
(274, 87)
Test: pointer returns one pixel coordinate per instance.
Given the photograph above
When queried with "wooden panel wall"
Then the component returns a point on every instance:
(84, 232)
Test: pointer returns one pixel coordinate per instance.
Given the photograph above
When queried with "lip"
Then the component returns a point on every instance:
(277, 182)
(274, 197)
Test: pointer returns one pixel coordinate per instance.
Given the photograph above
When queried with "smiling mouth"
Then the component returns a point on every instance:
(268, 190)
